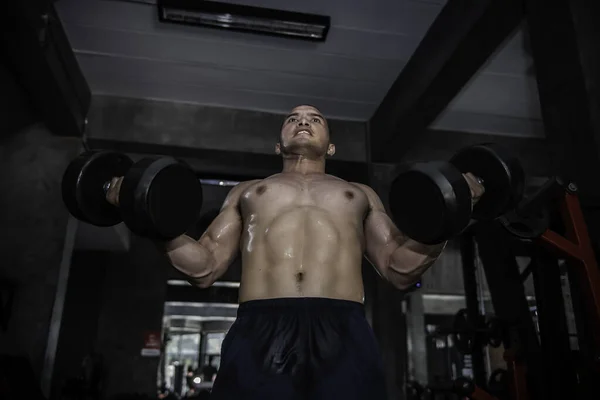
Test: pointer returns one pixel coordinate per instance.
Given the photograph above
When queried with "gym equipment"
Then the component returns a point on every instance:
(531, 217)
(462, 387)
(526, 227)
(431, 202)
(159, 198)
(465, 332)
(414, 390)
(567, 237)
(83, 186)
(498, 383)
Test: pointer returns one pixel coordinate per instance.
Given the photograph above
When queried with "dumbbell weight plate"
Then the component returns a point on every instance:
(502, 174)
(160, 198)
(430, 202)
(528, 227)
(83, 186)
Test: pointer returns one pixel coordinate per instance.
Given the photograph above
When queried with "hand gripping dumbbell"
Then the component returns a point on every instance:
(431, 202)
(159, 198)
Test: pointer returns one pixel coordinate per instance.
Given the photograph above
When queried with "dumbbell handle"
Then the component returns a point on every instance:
(478, 179)
(107, 187)
(470, 177)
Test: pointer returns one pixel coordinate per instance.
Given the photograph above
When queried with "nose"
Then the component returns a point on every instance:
(303, 121)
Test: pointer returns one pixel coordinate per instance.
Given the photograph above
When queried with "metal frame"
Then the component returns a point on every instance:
(545, 368)
(506, 288)
(467, 252)
(584, 277)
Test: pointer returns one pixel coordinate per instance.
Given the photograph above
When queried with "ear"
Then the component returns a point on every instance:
(278, 149)
(331, 150)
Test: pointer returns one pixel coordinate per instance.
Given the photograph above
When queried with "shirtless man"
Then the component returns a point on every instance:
(301, 331)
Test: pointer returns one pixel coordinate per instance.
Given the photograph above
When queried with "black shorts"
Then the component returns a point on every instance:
(300, 348)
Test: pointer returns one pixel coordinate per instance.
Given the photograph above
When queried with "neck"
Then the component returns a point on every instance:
(302, 165)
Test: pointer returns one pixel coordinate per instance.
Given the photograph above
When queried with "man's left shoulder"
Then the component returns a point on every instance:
(365, 188)
(354, 185)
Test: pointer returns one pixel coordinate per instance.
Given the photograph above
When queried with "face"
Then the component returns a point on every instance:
(305, 132)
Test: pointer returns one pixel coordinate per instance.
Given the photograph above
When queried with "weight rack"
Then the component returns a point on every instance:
(544, 366)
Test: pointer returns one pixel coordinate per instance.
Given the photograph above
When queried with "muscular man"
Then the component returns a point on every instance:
(301, 331)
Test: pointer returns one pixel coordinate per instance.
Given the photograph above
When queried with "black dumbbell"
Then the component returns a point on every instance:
(431, 202)
(159, 198)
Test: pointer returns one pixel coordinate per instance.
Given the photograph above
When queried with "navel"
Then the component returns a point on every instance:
(349, 194)
(261, 189)
(300, 277)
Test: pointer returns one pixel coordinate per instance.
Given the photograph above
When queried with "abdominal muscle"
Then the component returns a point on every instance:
(301, 252)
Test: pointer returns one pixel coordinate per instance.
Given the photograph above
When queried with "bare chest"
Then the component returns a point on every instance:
(328, 194)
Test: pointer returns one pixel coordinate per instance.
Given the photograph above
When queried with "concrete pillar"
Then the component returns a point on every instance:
(33, 228)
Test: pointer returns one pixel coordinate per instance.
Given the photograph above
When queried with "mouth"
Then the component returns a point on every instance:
(303, 132)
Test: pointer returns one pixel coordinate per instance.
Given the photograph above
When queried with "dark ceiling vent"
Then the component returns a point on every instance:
(244, 18)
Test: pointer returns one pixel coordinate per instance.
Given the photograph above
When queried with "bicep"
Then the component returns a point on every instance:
(222, 236)
(382, 236)
(224, 231)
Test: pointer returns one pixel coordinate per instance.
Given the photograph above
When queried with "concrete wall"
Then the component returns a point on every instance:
(15, 110)
(33, 224)
(203, 127)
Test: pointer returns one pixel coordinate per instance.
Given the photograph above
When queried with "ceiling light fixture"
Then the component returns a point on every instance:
(244, 18)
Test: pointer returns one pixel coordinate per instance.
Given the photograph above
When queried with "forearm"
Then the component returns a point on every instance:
(410, 260)
(191, 258)
(174, 244)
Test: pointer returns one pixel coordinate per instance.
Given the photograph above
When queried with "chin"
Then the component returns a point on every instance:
(305, 151)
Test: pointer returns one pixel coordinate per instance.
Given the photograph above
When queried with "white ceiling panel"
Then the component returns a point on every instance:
(502, 98)
(511, 58)
(231, 98)
(465, 121)
(124, 50)
(391, 16)
(142, 18)
(244, 79)
(512, 96)
(231, 55)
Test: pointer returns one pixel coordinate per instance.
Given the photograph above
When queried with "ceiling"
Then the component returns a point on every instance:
(124, 50)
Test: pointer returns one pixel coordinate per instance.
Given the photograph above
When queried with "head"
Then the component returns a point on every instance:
(305, 132)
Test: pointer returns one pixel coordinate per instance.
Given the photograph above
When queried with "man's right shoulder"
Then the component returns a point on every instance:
(238, 189)
(247, 184)
(236, 192)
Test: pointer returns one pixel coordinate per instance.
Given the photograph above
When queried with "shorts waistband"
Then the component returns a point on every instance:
(295, 304)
